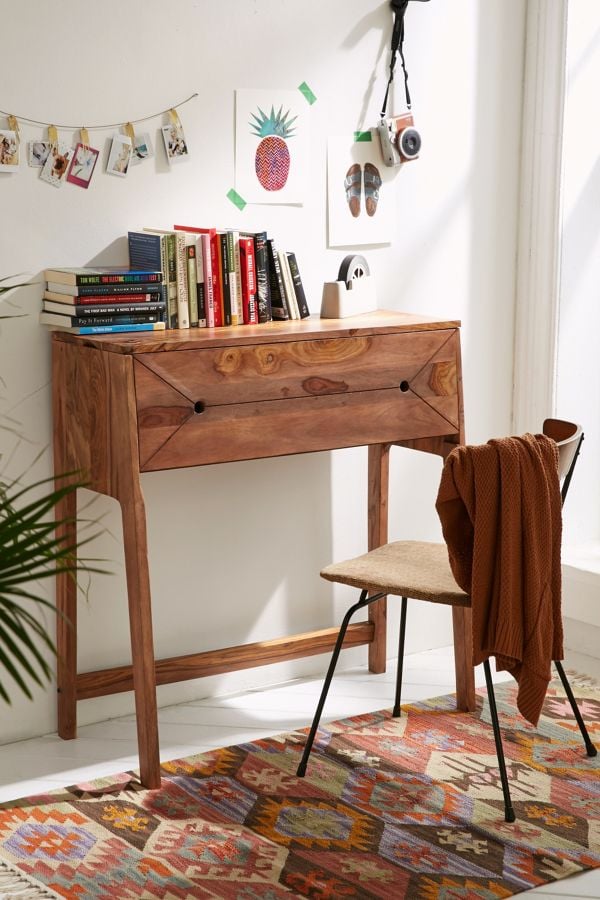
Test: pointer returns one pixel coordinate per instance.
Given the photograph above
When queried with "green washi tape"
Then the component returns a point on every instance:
(236, 199)
(363, 136)
(307, 93)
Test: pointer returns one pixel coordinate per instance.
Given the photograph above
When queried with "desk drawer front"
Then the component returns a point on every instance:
(204, 406)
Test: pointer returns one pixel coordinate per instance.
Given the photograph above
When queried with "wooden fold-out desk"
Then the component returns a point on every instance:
(142, 402)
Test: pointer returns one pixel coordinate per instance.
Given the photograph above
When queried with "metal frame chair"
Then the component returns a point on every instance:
(422, 571)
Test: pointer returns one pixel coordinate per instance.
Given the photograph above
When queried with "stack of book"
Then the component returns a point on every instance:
(214, 278)
(104, 299)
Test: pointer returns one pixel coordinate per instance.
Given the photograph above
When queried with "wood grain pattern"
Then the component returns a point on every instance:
(281, 427)
(378, 322)
(239, 374)
(229, 659)
(66, 588)
(378, 481)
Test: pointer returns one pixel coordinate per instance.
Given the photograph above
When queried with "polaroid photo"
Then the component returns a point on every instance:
(82, 165)
(9, 151)
(57, 164)
(37, 153)
(142, 149)
(119, 156)
(175, 144)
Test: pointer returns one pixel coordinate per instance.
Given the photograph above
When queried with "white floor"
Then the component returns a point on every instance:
(42, 764)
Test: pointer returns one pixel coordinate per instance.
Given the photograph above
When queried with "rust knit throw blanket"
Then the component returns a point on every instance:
(500, 509)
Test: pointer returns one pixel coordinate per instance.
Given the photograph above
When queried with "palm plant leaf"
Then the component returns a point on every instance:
(31, 551)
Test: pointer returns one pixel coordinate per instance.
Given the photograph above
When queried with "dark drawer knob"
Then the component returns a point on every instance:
(199, 407)
(404, 386)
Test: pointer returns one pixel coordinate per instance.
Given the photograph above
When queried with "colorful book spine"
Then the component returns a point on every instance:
(107, 309)
(117, 329)
(235, 277)
(103, 290)
(208, 280)
(216, 267)
(298, 286)
(200, 284)
(248, 279)
(48, 318)
(107, 299)
(78, 277)
(263, 286)
(147, 249)
(183, 309)
(224, 269)
(278, 305)
(288, 285)
(192, 284)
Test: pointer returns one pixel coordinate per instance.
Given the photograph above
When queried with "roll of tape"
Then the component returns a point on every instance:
(353, 266)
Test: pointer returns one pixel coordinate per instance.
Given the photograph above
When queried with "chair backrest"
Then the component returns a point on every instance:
(568, 436)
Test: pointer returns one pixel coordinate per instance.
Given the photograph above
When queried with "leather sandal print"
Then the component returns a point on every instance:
(372, 184)
(352, 187)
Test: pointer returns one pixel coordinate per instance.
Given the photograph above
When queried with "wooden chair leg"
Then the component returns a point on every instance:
(463, 659)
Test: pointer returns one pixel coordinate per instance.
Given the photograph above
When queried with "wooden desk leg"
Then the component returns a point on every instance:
(66, 625)
(463, 665)
(379, 466)
(142, 647)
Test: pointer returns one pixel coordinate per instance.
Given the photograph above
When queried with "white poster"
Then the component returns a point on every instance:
(271, 146)
(360, 192)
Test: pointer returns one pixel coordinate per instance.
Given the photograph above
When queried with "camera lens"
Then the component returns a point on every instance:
(409, 142)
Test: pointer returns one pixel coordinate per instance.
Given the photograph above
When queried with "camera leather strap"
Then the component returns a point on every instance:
(397, 46)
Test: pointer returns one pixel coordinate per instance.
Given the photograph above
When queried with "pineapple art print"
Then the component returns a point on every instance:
(272, 160)
(271, 146)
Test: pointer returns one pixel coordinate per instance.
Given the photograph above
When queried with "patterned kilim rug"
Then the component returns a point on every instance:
(390, 808)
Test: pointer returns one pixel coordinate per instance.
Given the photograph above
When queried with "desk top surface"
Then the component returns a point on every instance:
(312, 328)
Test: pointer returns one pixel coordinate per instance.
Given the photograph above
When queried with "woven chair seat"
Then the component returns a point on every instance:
(415, 569)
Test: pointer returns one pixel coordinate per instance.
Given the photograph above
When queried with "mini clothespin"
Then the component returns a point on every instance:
(175, 120)
(53, 135)
(129, 131)
(84, 137)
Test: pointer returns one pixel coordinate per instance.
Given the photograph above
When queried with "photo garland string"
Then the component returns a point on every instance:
(60, 162)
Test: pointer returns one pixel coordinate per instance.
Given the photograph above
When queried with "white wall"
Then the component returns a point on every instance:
(235, 550)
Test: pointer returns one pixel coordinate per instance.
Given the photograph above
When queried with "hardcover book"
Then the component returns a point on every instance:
(248, 278)
(288, 285)
(298, 286)
(208, 280)
(147, 249)
(111, 329)
(225, 280)
(192, 283)
(107, 309)
(102, 275)
(96, 298)
(103, 290)
(278, 305)
(48, 318)
(177, 269)
(263, 286)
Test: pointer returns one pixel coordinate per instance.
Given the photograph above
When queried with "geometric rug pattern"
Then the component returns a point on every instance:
(389, 808)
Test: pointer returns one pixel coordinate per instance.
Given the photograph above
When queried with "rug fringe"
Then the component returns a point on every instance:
(16, 886)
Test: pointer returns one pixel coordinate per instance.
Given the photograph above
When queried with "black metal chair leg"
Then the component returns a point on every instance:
(396, 710)
(509, 813)
(589, 747)
(364, 601)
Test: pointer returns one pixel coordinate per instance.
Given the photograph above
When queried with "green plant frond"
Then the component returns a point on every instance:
(13, 621)
(29, 619)
(7, 663)
(17, 654)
